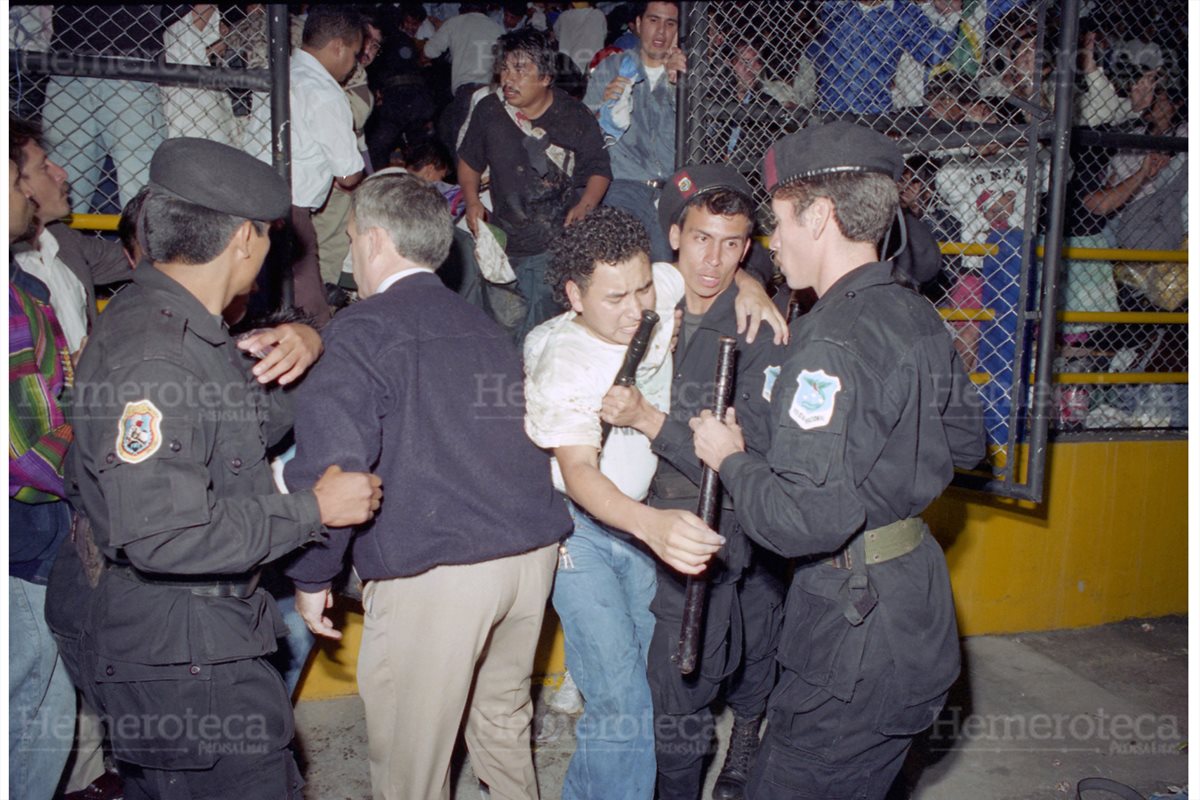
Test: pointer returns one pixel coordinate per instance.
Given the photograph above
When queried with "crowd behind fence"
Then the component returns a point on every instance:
(965, 86)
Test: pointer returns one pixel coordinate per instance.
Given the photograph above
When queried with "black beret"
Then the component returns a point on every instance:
(827, 149)
(694, 181)
(219, 177)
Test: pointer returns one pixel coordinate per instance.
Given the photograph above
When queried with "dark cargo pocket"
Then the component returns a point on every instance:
(820, 645)
(158, 716)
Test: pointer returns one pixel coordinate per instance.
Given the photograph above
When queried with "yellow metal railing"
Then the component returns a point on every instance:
(1116, 378)
(1073, 253)
(108, 222)
(95, 222)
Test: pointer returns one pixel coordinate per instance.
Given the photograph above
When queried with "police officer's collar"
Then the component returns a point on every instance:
(876, 273)
(173, 300)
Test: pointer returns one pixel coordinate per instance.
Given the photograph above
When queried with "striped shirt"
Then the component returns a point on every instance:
(39, 370)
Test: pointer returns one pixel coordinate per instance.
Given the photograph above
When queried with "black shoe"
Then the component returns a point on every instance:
(743, 744)
(108, 786)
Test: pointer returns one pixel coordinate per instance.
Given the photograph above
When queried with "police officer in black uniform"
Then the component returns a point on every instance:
(707, 213)
(870, 415)
(171, 432)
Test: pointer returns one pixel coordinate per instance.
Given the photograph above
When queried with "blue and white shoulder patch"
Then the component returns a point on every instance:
(770, 375)
(816, 395)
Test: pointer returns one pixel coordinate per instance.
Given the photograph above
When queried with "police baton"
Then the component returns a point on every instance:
(627, 375)
(710, 491)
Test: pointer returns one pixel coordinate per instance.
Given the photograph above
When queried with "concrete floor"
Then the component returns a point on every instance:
(1030, 716)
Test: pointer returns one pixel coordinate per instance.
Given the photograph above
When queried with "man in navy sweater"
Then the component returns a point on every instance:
(458, 564)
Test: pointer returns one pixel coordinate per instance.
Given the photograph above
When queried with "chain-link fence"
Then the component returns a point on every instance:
(967, 88)
(109, 83)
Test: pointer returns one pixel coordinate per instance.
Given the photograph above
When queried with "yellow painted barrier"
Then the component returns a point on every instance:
(1109, 542)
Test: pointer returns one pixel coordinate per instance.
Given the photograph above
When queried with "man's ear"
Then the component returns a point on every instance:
(675, 236)
(242, 237)
(820, 215)
(377, 240)
(575, 296)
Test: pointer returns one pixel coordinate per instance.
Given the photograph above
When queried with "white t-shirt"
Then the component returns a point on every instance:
(184, 43)
(470, 38)
(323, 140)
(567, 373)
(580, 33)
(654, 74)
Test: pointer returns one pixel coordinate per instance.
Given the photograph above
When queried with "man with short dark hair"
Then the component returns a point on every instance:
(870, 415)
(547, 160)
(642, 148)
(460, 561)
(606, 577)
(707, 212)
(325, 155)
(601, 268)
(168, 465)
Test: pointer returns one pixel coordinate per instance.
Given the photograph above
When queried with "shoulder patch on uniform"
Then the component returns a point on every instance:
(770, 375)
(816, 393)
(139, 431)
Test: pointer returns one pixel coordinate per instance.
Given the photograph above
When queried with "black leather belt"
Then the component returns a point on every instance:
(241, 585)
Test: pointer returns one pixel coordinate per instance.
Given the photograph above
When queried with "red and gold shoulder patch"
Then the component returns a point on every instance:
(139, 431)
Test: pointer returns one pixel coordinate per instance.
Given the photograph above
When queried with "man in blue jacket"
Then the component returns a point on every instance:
(425, 389)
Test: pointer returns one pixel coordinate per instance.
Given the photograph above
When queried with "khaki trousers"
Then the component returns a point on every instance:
(451, 639)
(333, 243)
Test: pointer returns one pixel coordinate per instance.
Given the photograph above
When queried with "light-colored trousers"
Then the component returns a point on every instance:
(451, 639)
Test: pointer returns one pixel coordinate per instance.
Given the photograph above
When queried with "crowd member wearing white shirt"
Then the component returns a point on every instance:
(469, 38)
(600, 267)
(606, 574)
(192, 111)
(70, 264)
(580, 33)
(325, 151)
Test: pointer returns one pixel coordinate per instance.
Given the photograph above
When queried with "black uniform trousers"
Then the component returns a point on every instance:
(743, 617)
(849, 701)
(178, 731)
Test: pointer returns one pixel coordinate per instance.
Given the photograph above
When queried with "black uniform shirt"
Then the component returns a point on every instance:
(694, 379)
(870, 414)
(169, 463)
(677, 479)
